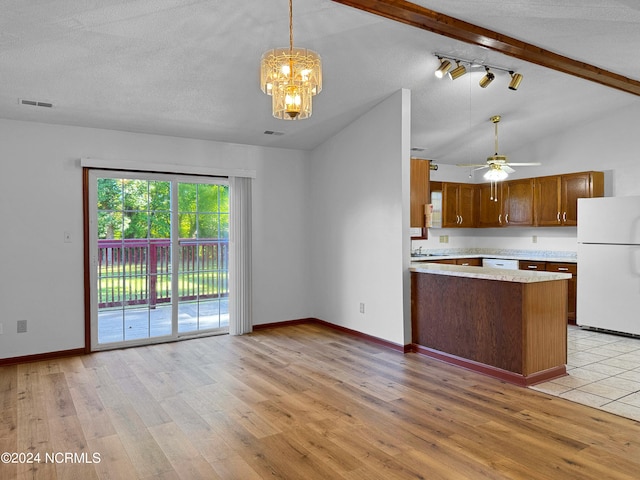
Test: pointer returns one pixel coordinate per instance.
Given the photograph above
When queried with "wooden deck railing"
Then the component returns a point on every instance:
(138, 271)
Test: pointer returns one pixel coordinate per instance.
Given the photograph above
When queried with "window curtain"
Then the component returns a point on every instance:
(240, 291)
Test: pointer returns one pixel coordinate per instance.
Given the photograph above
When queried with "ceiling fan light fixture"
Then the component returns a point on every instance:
(487, 79)
(292, 76)
(444, 67)
(516, 78)
(458, 71)
(495, 173)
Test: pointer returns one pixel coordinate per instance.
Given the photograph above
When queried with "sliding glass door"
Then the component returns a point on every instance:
(159, 257)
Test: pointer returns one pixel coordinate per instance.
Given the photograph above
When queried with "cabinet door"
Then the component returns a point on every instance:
(547, 201)
(518, 202)
(571, 268)
(579, 185)
(419, 191)
(467, 202)
(450, 194)
(490, 214)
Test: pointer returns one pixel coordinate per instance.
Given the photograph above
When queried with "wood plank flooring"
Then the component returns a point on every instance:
(299, 402)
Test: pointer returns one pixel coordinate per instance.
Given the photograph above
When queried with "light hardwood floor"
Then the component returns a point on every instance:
(298, 402)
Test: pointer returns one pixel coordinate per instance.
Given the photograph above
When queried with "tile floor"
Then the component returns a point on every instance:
(603, 372)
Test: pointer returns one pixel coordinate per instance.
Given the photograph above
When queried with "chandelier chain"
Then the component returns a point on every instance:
(291, 26)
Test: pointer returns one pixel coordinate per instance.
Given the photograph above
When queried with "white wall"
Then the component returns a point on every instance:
(610, 144)
(359, 211)
(41, 197)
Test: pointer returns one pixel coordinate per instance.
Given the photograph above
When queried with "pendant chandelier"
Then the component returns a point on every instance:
(292, 76)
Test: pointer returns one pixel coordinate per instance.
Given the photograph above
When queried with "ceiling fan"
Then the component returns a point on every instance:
(498, 166)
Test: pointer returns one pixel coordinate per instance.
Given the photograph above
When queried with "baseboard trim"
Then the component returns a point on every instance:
(38, 357)
(495, 372)
(354, 333)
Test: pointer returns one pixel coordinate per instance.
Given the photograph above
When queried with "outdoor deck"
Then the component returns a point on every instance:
(134, 288)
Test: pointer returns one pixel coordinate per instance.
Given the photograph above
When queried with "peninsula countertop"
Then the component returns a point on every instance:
(486, 273)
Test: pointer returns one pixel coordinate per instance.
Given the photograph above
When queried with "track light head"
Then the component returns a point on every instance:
(444, 67)
(516, 78)
(458, 71)
(487, 79)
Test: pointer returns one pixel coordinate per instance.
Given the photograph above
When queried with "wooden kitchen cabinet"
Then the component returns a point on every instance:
(517, 202)
(458, 205)
(571, 268)
(490, 209)
(469, 262)
(556, 197)
(420, 194)
(528, 265)
(466, 262)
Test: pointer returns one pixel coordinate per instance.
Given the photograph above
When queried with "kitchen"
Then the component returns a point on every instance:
(607, 242)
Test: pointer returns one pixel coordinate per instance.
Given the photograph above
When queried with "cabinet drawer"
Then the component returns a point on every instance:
(571, 268)
(469, 262)
(527, 265)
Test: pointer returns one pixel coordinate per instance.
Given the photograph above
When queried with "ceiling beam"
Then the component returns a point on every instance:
(421, 17)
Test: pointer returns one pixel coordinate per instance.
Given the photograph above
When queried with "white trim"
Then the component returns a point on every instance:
(87, 162)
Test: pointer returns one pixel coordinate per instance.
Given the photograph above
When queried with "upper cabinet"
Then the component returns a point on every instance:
(420, 195)
(529, 202)
(556, 199)
(518, 202)
(508, 203)
(458, 205)
(490, 205)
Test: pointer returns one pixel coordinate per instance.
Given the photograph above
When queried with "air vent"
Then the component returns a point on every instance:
(35, 103)
(271, 132)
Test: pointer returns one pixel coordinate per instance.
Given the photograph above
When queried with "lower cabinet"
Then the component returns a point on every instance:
(571, 268)
(466, 262)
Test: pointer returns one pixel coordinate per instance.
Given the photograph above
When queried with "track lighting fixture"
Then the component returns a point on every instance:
(516, 78)
(487, 79)
(444, 67)
(458, 71)
(463, 66)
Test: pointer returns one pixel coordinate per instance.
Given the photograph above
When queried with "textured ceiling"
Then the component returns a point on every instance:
(190, 68)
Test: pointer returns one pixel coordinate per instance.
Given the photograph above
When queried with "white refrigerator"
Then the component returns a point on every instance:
(608, 291)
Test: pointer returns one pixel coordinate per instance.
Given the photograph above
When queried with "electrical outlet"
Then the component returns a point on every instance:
(22, 326)
(444, 238)
(534, 239)
(361, 307)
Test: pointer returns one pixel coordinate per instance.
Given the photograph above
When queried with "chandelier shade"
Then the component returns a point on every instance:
(292, 76)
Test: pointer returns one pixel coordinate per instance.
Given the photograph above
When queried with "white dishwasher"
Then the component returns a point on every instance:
(500, 263)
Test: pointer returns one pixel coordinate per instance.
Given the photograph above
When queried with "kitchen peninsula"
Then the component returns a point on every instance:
(510, 324)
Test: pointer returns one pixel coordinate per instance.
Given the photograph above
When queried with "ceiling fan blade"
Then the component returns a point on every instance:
(483, 165)
(507, 168)
(531, 164)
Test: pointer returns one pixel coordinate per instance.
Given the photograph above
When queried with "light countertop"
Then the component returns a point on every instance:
(520, 276)
(527, 255)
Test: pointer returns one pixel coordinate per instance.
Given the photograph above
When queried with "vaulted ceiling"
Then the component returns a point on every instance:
(190, 68)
